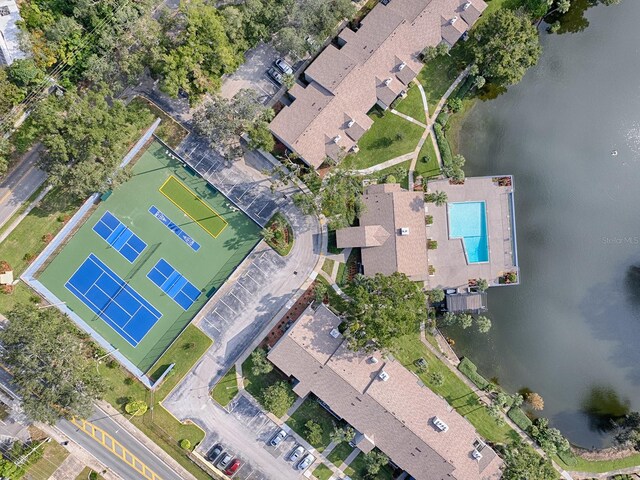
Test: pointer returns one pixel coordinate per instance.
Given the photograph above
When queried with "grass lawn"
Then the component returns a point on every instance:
(409, 348)
(84, 474)
(322, 472)
(311, 410)
(256, 384)
(357, 470)
(412, 105)
(327, 266)
(399, 171)
(390, 136)
(431, 168)
(438, 74)
(340, 453)
(53, 456)
(226, 388)
(170, 131)
(158, 424)
(579, 464)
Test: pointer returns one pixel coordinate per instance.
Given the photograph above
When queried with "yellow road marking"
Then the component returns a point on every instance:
(115, 447)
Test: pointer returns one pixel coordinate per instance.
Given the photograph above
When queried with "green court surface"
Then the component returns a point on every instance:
(191, 204)
(205, 260)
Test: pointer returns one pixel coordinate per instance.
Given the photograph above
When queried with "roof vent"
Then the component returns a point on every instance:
(453, 20)
(350, 124)
(476, 454)
(387, 81)
(4, 11)
(404, 231)
(337, 138)
(373, 360)
(402, 65)
(466, 5)
(335, 333)
(384, 376)
(439, 424)
(479, 445)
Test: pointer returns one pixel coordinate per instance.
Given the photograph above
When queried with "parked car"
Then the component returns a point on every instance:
(224, 462)
(233, 468)
(278, 438)
(283, 66)
(215, 452)
(296, 453)
(306, 461)
(275, 75)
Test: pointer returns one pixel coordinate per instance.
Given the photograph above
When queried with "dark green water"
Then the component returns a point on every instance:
(571, 331)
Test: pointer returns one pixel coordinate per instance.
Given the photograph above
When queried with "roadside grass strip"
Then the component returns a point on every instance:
(193, 206)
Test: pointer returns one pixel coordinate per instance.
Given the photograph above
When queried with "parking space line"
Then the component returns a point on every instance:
(222, 301)
(236, 297)
(248, 291)
(254, 280)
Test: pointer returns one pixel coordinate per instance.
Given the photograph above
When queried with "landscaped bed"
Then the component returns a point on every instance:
(279, 234)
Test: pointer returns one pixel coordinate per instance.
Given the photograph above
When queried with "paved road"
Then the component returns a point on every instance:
(19, 185)
(115, 447)
(245, 305)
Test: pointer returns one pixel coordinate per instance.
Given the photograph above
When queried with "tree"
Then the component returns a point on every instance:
(502, 399)
(52, 368)
(454, 104)
(374, 461)
(479, 82)
(259, 363)
(535, 401)
(521, 462)
(10, 94)
(436, 379)
(341, 198)
(453, 168)
(550, 440)
(85, 137)
(194, 60)
(268, 234)
(507, 44)
(223, 121)
(136, 408)
(465, 320)
(342, 434)
(320, 291)
(277, 398)
(517, 400)
(483, 323)
(314, 432)
(431, 52)
(25, 72)
(260, 136)
(495, 412)
(436, 295)
(482, 284)
(448, 319)
(440, 198)
(629, 431)
(383, 309)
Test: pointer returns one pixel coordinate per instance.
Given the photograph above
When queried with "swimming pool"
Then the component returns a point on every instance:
(468, 221)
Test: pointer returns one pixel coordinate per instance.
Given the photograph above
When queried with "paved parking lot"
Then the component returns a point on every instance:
(250, 415)
(252, 74)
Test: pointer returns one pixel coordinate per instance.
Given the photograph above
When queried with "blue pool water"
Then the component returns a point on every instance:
(467, 220)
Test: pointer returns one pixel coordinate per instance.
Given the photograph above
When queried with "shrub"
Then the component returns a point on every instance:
(436, 379)
(7, 289)
(185, 443)
(28, 257)
(432, 244)
(136, 408)
(442, 119)
(93, 476)
(399, 136)
(432, 270)
(128, 381)
(429, 219)
(454, 104)
(519, 418)
(314, 432)
(390, 179)
(468, 368)
(443, 145)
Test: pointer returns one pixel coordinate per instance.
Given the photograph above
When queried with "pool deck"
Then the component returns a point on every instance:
(449, 260)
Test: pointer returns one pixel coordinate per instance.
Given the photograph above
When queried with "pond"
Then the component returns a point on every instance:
(571, 330)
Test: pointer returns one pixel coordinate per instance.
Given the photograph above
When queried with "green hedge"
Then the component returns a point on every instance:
(443, 145)
(467, 367)
(519, 418)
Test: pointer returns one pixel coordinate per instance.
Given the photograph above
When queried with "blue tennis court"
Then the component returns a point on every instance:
(113, 300)
(173, 284)
(116, 234)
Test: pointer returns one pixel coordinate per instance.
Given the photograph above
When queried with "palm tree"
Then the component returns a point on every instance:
(482, 284)
(440, 198)
(268, 234)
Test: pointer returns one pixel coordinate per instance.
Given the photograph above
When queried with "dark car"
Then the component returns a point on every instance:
(283, 66)
(215, 452)
(226, 459)
(233, 468)
(275, 75)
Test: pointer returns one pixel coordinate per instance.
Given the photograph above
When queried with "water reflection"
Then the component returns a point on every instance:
(603, 406)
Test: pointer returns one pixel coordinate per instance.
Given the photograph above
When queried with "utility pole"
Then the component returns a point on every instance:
(24, 458)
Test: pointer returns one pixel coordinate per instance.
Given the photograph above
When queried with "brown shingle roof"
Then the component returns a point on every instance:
(394, 414)
(346, 80)
(390, 208)
(363, 236)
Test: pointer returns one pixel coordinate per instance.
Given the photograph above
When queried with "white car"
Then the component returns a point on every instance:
(283, 66)
(278, 437)
(306, 461)
(297, 453)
